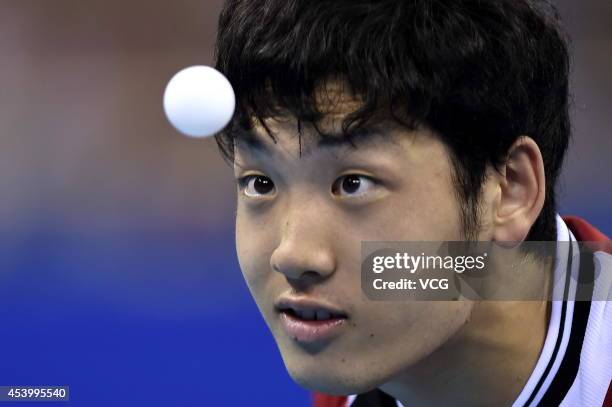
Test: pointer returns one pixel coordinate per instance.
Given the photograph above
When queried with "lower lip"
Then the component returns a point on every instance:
(310, 331)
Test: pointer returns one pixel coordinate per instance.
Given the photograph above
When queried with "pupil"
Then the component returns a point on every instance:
(351, 183)
(263, 185)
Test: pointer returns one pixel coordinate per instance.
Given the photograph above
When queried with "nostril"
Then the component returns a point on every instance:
(305, 280)
(310, 275)
(308, 261)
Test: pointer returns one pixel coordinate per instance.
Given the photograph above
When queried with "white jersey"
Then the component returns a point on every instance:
(575, 365)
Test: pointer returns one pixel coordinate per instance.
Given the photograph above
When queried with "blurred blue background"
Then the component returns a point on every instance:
(118, 274)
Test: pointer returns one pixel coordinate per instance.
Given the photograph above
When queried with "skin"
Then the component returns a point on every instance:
(303, 238)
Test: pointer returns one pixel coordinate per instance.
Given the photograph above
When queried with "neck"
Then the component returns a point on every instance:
(487, 362)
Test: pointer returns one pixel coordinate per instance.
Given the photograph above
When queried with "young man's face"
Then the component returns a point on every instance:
(299, 229)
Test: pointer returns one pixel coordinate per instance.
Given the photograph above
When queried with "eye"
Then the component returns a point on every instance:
(353, 185)
(256, 185)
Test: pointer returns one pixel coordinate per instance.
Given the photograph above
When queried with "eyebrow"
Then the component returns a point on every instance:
(247, 139)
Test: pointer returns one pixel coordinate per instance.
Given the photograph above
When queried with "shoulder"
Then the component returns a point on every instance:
(591, 385)
(586, 232)
(326, 400)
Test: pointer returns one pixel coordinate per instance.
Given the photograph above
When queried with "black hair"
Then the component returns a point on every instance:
(480, 73)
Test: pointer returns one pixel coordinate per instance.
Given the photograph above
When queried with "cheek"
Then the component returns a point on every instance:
(252, 250)
(423, 211)
(433, 211)
(433, 199)
(403, 333)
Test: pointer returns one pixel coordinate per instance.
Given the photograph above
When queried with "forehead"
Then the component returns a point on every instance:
(304, 140)
(335, 102)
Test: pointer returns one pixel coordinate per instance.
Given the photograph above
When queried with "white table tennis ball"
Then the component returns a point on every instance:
(199, 101)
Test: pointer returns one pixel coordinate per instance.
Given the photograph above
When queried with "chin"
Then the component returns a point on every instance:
(332, 378)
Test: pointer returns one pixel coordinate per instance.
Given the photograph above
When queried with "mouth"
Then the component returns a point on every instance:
(308, 320)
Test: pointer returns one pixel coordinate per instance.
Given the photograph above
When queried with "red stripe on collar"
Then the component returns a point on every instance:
(586, 232)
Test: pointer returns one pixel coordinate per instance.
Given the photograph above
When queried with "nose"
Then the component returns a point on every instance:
(305, 252)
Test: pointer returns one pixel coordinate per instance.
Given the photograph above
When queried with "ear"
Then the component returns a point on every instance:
(522, 191)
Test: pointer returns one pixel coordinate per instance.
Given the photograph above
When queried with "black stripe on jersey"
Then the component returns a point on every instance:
(569, 365)
(568, 275)
(374, 398)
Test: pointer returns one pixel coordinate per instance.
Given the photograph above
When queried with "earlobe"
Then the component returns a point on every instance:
(522, 189)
